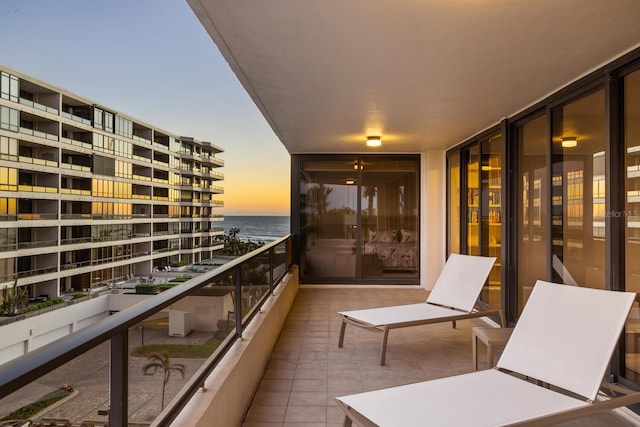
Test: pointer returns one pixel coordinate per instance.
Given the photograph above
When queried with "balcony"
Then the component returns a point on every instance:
(304, 369)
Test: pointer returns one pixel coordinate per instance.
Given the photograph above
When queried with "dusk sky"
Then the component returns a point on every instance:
(152, 60)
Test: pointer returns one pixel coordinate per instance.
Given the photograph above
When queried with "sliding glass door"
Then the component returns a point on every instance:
(359, 218)
(631, 216)
(483, 209)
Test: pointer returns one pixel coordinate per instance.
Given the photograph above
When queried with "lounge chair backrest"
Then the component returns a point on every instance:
(461, 281)
(566, 335)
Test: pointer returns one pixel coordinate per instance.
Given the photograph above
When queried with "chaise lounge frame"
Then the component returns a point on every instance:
(550, 371)
(453, 298)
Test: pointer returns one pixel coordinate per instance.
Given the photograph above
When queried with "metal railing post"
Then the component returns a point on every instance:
(119, 380)
(271, 270)
(239, 301)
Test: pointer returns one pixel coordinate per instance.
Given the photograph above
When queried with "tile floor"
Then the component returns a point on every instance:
(308, 370)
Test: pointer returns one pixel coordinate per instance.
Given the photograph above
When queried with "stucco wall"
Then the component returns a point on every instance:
(26, 335)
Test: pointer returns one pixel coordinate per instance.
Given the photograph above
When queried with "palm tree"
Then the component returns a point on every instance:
(233, 240)
(317, 198)
(162, 361)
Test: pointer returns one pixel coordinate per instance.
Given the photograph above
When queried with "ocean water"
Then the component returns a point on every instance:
(257, 228)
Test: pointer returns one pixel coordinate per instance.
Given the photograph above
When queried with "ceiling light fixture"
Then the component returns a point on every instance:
(569, 142)
(350, 181)
(374, 141)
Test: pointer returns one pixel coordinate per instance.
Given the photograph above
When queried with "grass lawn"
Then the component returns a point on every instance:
(203, 350)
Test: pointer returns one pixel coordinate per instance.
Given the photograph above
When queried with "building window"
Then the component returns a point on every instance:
(8, 148)
(9, 87)
(9, 119)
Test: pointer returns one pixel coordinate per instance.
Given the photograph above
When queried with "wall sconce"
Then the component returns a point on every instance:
(374, 141)
(357, 165)
(569, 142)
(350, 181)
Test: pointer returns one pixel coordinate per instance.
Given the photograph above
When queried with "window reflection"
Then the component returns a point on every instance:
(532, 206)
(578, 227)
(631, 217)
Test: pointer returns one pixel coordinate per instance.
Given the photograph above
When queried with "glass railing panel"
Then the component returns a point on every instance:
(37, 189)
(38, 244)
(75, 240)
(36, 216)
(7, 247)
(75, 191)
(159, 318)
(75, 216)
(37, 271)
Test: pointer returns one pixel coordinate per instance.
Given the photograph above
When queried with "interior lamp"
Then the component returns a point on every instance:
(374, 141)
(569, 142)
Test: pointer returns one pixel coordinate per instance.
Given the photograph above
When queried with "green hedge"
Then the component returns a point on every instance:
(146, 289)
(44, 304)
(31, 409)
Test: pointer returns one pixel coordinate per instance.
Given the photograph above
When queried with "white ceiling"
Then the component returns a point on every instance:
(424, 74)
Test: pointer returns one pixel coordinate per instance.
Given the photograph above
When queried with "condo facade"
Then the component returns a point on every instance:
(90, 197)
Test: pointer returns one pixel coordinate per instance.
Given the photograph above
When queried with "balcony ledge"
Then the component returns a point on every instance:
(228, 391)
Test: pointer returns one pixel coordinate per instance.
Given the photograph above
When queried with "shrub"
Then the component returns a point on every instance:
(179, 264)
(44, 304)
(180, 279)
(146, 289)
(78, 295)
(30, 410)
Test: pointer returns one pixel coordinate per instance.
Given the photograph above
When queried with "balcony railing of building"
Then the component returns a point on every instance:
(233, 278)
(75, 118)
(38, 106)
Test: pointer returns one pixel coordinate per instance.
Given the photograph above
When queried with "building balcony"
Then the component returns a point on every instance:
(304, 372)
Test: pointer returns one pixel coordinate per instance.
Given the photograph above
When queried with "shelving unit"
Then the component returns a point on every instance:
(493, 171)
(484, 210)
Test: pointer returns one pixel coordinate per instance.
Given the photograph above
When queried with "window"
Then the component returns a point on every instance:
(9, 87)
(108, 121)
(123, 127)
(8, 148)
(97, 118)
(8, 179)
(9, 119)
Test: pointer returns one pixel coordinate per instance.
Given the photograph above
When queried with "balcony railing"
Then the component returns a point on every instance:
(36, 216)
(38, 106)
(275, 261)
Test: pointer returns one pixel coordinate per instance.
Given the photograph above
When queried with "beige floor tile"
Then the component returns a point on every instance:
(308, 350)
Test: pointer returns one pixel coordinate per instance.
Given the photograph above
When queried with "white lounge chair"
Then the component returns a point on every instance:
(452, 298)
(550, 371)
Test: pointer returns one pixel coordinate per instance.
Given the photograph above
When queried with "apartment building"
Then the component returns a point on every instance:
(90, 196)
